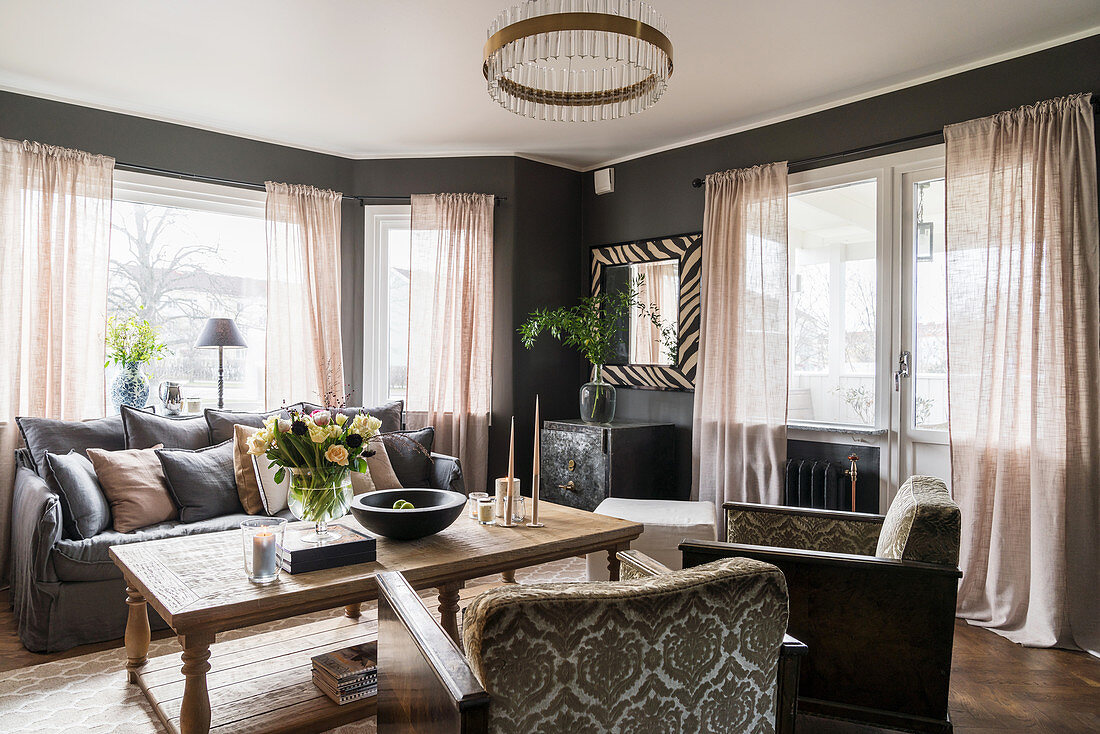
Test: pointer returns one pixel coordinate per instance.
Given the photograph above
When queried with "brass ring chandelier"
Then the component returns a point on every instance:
(577, 60)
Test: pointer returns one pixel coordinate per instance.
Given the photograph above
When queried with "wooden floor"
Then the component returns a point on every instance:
(996, 686)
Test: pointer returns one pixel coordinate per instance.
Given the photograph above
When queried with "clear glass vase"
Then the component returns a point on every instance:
(319, 497)
(597, 398)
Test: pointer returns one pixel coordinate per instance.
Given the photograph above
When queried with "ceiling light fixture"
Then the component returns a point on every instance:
(577, 60)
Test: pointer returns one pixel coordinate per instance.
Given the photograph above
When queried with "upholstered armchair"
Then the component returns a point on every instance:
(702, 650)
(872, 596)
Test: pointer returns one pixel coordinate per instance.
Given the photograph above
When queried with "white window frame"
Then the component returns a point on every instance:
(158, 190)
(377, 221)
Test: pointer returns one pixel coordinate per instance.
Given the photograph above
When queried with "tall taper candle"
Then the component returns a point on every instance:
(535, 472)
(511, 474)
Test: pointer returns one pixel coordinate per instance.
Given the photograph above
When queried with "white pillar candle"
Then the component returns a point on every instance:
(263, 555)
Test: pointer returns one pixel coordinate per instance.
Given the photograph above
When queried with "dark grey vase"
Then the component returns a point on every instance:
(130, 387)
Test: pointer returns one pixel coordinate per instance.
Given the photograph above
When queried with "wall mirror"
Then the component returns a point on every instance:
(665, 272)
(646, 340)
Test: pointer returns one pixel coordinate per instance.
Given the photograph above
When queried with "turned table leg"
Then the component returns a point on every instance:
(508, 577)
(353, 611)
(137, 633)
(195, 708)
(448, 610)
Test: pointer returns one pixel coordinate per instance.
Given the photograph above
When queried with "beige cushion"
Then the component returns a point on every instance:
(922, 524)
(133, 482)
(381, 471)
(244, 469)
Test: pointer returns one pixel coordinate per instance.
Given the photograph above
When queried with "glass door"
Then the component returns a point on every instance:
(920, 372)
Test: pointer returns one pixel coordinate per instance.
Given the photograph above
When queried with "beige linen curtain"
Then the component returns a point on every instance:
(303, 348)
(739, 433)
(1024, 350)
(55, 226)
(451, 326)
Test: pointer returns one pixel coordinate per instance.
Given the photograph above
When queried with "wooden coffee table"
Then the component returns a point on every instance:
(262, 683)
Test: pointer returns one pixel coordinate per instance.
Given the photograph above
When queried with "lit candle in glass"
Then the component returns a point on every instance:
(263, 554)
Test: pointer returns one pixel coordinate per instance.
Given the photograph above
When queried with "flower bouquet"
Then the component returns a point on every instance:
(318, 449)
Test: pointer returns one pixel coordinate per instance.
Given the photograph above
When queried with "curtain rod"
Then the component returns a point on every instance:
(251, 184)
(933, 138)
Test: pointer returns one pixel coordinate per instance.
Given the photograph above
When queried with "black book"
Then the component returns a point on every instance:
(349, 547)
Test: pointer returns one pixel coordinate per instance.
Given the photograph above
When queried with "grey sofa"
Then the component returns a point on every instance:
(67, 592)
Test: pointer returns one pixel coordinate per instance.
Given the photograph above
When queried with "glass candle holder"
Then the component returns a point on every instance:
(262, 539)
(471, 503)
(486, 510)
(519, 512)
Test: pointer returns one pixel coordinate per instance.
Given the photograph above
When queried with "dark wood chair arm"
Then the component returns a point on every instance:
(635, 564)
(791, 653)
(425, 684)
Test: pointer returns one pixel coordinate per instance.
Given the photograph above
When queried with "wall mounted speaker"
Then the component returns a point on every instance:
(604, 180)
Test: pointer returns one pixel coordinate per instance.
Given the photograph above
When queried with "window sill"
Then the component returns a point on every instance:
(850, 430)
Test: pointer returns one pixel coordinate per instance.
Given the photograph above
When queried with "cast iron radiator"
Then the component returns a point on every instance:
(817, 483)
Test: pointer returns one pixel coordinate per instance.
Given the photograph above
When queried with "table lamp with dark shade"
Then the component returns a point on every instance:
(221, 334)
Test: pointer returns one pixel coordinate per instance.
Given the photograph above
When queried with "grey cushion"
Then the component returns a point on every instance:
(220, 422)
(90, 560)
(59, 437)
(145, 430)
(202, 481)
(388, 413)
(84, 509)
(410, 454)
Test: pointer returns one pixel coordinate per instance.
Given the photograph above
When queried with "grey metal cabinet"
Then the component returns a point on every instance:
(582, 464)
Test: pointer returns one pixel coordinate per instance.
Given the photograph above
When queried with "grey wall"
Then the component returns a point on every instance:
(653, 195)
(537, 230)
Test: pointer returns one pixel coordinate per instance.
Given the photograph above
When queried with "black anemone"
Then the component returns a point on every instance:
(354, 440)
(299, 428)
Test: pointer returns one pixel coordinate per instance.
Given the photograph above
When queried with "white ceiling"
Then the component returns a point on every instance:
(370, 79)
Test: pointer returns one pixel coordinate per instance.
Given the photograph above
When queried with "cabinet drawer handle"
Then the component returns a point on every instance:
(570, 485)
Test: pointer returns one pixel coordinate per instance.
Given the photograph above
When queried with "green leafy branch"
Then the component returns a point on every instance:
(133, 341)
(593, 326)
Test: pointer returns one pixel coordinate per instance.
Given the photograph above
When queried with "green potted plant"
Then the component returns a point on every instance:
(131, 344)
(594, 328)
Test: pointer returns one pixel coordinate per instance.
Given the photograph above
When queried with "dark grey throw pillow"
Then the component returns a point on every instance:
(84, 509)
(145, 430)
(388, 413)
(220, 422)
(201, 481)
(43, 435)
(410, 454)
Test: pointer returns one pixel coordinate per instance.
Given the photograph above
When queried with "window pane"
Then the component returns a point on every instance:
(929, 409)
(834, 309)
(398, 254)
(181, 266)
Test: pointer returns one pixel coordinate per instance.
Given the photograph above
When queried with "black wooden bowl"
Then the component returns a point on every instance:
(435, 510)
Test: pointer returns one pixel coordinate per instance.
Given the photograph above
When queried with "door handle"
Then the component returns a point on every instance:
(570, 485)
(902, 370)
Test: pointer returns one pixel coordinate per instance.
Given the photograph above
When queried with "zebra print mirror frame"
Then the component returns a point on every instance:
(687, 248)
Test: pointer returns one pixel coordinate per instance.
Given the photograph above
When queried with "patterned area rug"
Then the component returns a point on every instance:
(90, 693)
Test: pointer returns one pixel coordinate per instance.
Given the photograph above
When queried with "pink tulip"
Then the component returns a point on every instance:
(321, 417)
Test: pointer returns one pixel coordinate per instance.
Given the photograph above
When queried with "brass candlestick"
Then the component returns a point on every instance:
(535, 475)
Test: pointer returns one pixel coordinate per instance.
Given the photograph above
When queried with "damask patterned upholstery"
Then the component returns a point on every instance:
(690, 651)
(786, 527)
(923, 524)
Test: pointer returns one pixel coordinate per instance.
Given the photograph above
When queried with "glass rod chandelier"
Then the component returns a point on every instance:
(578, 60)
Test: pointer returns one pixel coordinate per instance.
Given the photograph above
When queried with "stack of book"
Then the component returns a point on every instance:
(348, 547)
(348, 675)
